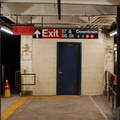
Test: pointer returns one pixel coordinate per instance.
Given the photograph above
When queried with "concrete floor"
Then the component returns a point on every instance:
(7, 102)
(82, 108)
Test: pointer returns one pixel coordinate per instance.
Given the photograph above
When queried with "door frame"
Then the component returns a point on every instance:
(80, 65)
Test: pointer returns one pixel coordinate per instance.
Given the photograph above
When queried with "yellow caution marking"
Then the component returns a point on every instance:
(54, 97)
(7, 113)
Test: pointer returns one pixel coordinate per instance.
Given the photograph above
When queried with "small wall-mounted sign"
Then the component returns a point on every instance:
(23, 29)
(25, 47)
(27, 55)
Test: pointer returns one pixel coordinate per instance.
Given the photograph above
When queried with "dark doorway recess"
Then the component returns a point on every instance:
(10, 60)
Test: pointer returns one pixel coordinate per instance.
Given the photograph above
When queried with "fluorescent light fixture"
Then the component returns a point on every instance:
(114, 32)
(6, 30)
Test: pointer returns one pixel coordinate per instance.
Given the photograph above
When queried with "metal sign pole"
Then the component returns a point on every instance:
(59, 9)
(118, 65)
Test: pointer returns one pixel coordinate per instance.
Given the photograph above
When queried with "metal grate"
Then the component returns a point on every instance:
(28, 79)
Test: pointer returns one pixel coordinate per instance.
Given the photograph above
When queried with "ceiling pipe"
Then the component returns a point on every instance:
(16, 19)
(31, 19)
(111, 16)
(102, 24)
(102, 17)
(59, 9)
(5, 23)
(42, 22)
(63, 3)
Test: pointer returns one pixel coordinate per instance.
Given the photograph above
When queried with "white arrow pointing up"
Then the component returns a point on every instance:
(37, 33)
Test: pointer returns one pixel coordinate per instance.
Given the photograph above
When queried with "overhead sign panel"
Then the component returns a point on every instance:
(66, 33)
(37, 34)
(47, 33)
(23, 30)
(51, 33)
(80, 33)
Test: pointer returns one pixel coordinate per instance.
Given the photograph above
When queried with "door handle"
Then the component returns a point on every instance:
(60, 72)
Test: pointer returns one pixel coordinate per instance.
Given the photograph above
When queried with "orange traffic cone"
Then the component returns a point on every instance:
(7, 90)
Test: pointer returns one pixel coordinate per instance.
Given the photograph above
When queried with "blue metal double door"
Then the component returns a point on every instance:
(68, 68)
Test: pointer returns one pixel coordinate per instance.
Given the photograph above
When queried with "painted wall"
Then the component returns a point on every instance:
(42, 61)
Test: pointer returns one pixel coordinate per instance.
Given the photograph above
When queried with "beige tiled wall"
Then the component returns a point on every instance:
(26, 64)
(44, 65)
(44, 62)
(109, 54)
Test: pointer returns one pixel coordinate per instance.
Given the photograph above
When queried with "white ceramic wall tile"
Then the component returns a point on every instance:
(44, 64)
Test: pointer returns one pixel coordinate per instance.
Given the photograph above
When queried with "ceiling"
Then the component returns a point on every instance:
(68, 14)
